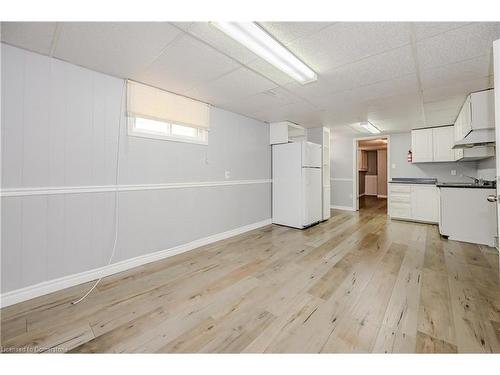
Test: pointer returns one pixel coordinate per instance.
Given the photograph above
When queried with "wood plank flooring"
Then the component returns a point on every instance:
(358, 282)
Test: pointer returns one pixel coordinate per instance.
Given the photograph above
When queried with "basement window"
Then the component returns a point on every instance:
(147, 128)
(159, 114)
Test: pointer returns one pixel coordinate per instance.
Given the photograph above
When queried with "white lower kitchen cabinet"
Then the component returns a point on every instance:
(415, 202)
(466, 215)
(425, 203)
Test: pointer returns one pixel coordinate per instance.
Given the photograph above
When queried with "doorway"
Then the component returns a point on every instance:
(371, 173)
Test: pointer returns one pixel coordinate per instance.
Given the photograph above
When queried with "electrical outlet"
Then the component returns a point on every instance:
(227, 174)
(453, 172)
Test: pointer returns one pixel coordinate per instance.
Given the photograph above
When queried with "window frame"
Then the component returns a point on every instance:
(201, 139)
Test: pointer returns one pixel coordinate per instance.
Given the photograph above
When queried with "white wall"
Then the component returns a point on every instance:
(487, 169)
(60, 128)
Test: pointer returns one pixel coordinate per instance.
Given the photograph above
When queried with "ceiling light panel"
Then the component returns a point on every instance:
(264, 45)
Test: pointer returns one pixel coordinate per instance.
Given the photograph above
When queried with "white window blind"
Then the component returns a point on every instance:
(151, 103)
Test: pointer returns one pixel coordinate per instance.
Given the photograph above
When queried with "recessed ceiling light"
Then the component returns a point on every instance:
(252, 36)
(369, 127)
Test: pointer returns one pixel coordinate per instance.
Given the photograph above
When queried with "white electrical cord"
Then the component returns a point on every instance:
(117, 173)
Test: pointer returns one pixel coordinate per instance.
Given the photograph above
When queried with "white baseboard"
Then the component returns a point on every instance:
(46, 287)
(361, 195)
(344, 208)
(381, 196)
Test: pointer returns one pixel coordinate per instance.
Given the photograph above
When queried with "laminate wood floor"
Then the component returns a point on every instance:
(358, 282)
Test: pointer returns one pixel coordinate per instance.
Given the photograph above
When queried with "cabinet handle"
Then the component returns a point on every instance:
(492, 198)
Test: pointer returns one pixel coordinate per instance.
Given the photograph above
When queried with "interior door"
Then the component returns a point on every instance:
(496, 65)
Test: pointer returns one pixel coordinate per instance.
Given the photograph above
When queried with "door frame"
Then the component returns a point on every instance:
(496, 73)
(355, 184)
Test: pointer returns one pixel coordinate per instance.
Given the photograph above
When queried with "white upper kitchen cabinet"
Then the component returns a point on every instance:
(433, 144)
(285, 131)
(442, 141)
(482, 110)
(421, 145)
(478, 111)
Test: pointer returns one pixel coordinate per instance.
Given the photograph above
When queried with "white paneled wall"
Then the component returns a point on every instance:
(60, 129)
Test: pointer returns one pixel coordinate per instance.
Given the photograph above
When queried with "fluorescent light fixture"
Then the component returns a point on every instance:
(252, 36)
(369, 127)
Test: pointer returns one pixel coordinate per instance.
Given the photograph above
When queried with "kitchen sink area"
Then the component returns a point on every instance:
(464, 211)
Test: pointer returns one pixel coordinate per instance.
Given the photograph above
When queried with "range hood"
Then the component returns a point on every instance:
(477, 137)
(478, 117)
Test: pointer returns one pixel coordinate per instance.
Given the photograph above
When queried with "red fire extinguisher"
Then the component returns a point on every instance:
(409, 157)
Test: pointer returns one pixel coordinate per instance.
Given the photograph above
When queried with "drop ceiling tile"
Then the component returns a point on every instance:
(346, 42)
(398, 114)
(443, 112)
(184, 26)
(220, 41)
(287, 32)
(33, 36)
(404, 85)
(262, 101)
(428, 29)
(475, 68)
(236, 85)
(344, 118)
(458, 88)
(184, 64)
(116, 48)
(312, 90)
(269, 71)
(459, 44)
(382, 67)
(285, 112)
(308, 119)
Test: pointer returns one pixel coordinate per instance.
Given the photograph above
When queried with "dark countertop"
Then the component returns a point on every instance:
(463, 185)
(433, 181)
(404, 180)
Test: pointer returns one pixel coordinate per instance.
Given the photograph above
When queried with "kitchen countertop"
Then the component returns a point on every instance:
(404, 180)
(463, 185)
(434, 181)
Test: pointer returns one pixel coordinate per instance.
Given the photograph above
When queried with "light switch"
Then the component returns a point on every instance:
(393, 166)
(453, 172)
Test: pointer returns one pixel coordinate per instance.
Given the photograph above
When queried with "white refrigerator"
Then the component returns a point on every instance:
(297, 184)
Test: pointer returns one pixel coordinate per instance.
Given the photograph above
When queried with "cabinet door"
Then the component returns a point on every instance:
(442, 140)
(425, 203)
(421, 145)
(482, 106)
